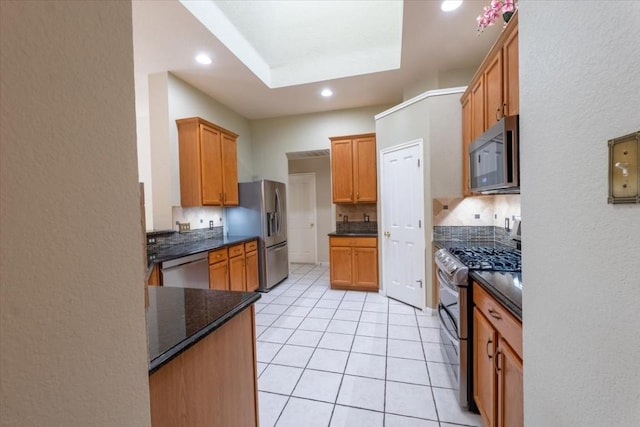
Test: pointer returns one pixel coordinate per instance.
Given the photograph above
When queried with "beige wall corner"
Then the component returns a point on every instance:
(73, 330)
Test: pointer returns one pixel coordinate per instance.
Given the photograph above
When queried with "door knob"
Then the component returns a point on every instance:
(387, 234)
(311, 225)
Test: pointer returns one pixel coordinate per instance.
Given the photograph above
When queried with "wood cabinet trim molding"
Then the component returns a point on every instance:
(359, 136)
(200, 120)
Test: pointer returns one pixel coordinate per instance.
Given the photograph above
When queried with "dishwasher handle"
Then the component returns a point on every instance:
(185, 260)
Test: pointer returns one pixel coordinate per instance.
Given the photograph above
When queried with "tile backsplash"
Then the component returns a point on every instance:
(198, 217)
(356, 212)
(476, 211)
(472, 233)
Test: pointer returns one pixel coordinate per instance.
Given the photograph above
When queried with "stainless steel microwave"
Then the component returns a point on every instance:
(493, 159)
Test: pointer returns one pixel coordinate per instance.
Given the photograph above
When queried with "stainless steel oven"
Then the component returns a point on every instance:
(453, 310)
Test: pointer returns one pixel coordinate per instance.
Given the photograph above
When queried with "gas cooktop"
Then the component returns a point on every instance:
(488, 258)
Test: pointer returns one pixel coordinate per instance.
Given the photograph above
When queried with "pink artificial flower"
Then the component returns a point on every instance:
(508, 6)
(494, 11)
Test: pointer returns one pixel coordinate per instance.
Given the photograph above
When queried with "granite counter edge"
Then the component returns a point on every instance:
(499, 296)
(188, 342)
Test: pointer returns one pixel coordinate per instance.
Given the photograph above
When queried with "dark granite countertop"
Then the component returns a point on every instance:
(506, 287)
(353, 234)
(177, 318)
(178, 250)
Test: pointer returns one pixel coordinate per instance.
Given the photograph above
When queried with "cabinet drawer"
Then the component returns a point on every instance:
(359, 242)
(217, 255)
(504, 322)
(236, 250)
(251, 246)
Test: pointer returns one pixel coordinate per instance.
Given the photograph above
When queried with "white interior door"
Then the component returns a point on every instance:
(403, 247)
(301, 212)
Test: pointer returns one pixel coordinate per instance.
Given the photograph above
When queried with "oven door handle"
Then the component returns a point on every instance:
(442, 279)
(449, 334)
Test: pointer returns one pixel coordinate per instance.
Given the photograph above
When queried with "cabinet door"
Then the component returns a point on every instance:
(211, 164)
(251, 272)
(484, 379)
(229, 171)
(510, 77)
(510, 387)
(342, 171)
(218, 276)
(477, 109)
(237, 281)
(365, 268)
(493, 91)
(466, 140)
(364, 173)
(340, 266)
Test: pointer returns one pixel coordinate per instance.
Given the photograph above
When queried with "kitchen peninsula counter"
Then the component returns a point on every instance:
(177, 318)
(202, 357)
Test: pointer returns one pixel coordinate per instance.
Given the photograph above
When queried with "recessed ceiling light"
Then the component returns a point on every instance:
(203, 59)
(449, 5)
(326, 93)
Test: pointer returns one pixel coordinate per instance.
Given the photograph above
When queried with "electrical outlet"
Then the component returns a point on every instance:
(184, 226)
(476, 216)
(151, 240)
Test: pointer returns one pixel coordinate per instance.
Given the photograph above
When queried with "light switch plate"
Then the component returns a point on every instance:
(624, 169)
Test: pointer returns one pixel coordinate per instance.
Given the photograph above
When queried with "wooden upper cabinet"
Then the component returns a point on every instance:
(477, 109)
(353, 169)
(493, 109)
(229, 170)
(365, 170)
(342, 171)
(511, 80)
(493, 92)
(208, 164)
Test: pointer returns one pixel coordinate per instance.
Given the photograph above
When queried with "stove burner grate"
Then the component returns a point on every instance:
(488, 258)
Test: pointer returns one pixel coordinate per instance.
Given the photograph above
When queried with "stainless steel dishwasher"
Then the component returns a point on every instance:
(187, 272)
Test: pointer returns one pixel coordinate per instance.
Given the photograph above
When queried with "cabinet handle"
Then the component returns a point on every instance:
(496, 362)
(498, 114)
(489, 341)
(504, 110)
(494, 313)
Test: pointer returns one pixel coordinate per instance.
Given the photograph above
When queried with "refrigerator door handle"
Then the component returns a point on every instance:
(278, 212)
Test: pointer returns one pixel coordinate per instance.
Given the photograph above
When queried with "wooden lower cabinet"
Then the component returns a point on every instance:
(510, 386)
(234, 268)
(251, 266)
(353, 263)
(237, 281)
(213, 383)
(155, 278)
(218, 270)
(497, 362)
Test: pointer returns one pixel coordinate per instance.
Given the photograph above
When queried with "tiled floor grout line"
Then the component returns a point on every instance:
(399, 322)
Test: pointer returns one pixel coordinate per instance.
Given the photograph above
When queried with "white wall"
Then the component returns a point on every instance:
(273, 138)
(143, 133)
(73, 333)
(170, 99)
(436, 118)
(321, 166)
(579, 80)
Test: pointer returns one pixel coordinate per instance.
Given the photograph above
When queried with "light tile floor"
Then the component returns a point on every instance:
(332, 358)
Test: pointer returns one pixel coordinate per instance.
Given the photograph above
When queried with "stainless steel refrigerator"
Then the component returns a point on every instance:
(263, 212)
